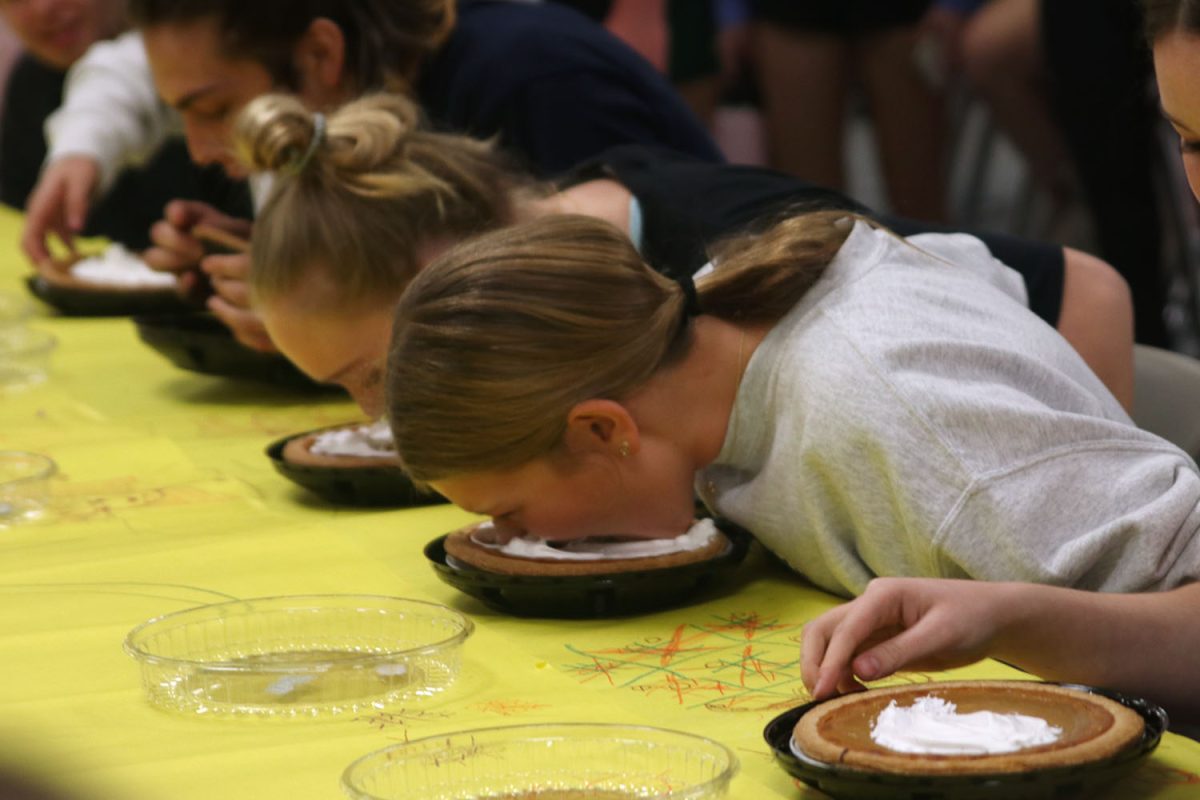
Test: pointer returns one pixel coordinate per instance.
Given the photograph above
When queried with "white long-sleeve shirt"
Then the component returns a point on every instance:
(110, 110)
(911, 417)
(112, 113)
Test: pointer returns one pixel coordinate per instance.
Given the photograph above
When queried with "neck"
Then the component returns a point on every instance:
(603, 198)
(705, 383)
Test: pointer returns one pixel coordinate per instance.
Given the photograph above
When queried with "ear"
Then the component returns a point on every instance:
(602, 426)
(320, 60)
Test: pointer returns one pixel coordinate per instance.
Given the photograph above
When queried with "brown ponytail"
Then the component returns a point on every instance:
(498, 339)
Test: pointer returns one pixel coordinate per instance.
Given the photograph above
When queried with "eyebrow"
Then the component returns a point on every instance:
(191, 97)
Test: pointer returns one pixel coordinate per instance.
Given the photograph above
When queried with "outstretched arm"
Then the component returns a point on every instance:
(110, 110)
(1148, 644)
(110, 117)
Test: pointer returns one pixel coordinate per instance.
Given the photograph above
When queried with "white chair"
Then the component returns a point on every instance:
(1166, 399)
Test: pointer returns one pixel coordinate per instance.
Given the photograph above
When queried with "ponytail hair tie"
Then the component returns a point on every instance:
(318, 136)
(691, 304)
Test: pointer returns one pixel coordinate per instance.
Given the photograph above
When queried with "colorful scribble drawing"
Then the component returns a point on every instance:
(737, 662)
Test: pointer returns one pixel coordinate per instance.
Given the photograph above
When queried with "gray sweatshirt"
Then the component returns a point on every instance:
(911, 417)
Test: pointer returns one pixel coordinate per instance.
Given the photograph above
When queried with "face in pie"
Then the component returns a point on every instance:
(595, 556)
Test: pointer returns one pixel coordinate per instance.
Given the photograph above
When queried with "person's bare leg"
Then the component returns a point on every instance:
(1002, 55)
(910, 123)
(803, 78)
(1097, 319)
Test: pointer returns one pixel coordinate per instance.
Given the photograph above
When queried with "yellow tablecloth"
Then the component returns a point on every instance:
(165, 500)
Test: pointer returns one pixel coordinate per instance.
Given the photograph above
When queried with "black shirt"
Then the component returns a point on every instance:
(556, 87)
(136, 200)
(687, 205)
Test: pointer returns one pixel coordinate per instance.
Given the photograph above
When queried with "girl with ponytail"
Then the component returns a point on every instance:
(367, 196)
(863, 404)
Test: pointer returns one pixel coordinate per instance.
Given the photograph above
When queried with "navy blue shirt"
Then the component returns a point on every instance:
(688, 206)
(554, 86)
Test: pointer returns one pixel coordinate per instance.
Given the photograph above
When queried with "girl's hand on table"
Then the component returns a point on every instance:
(903, 623)
(59, 205)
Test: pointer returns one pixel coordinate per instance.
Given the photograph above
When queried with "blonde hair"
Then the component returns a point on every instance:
(499, 338)
(359, 200)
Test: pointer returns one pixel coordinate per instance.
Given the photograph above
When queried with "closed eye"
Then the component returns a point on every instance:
(1189, 146)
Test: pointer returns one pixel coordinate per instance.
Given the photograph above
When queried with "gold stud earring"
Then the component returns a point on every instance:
(624, 449)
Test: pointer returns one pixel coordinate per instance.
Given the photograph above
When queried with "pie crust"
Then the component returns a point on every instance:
(462, 547)
(299, 451)
(1093, 728)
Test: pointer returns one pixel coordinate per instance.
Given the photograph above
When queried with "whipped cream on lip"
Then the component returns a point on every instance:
(698, 536)
(117, 266)
(367, 441)
(933, 726)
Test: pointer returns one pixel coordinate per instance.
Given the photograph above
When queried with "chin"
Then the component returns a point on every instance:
(235, 171)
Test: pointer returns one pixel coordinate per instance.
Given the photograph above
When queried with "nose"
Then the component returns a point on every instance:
(207, 146)
(197, 143)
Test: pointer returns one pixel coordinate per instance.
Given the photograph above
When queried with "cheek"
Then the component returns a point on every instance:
(199, 135)
(575, 509)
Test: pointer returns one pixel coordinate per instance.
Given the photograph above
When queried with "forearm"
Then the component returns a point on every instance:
(1147, 644)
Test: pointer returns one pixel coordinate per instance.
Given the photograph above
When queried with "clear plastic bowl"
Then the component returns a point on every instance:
(551, 762)
(15, 310)
(24, 485)
(24, 356)
(300, 656)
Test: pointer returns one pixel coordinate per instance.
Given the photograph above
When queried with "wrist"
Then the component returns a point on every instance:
(1019, 610)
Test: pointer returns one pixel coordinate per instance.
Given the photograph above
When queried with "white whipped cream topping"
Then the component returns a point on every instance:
(696, 537)
(369, 441)
(119, 267)
(933, 726)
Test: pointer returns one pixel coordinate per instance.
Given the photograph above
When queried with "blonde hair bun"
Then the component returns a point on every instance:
(275, 133)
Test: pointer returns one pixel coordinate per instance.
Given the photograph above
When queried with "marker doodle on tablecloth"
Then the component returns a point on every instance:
(508, 708)
(83, 501)
(737, 662)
